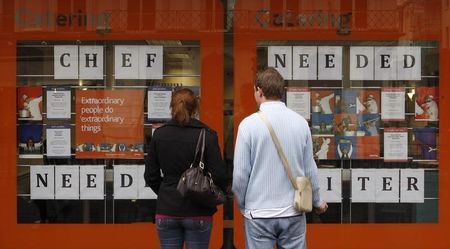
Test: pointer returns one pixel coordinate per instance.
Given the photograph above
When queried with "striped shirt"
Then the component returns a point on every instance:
(260, 183)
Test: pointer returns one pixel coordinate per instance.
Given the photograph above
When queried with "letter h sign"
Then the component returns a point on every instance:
(78, 62)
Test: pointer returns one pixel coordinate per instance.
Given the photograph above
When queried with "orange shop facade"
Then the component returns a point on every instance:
(369, 76)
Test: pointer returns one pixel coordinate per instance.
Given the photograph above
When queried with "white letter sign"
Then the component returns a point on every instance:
(92, 182)
(330, 181)
(361, 63)
(304, 63)
(125, 182)
(280, 58)
(65, 62)
(67, 182)
(42, 182)
(412, 185)
(330, 63)
(363, 185)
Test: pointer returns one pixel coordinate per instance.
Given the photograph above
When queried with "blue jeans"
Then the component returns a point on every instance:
(286, 233)
(173, 233)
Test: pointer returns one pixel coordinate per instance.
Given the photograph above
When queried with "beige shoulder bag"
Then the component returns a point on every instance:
(302, 185)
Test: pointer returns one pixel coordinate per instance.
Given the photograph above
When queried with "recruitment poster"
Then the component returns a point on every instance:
(109, 124)
(393, 104)
(58, 103)
(427, 104)
(298, 100)
(158, 103)
(29, 103)
(395, 144)
(58, 142)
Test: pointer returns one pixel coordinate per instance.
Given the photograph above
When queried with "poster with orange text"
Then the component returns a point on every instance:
(110, 124)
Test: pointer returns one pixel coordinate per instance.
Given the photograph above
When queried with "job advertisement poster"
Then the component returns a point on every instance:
(58, 102)
(395, 144)
(58, 141)
(393, 104)
(298, 100)
(110, 124)
(158, 103)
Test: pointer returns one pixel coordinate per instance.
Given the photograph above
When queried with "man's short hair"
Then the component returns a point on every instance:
(271, 83)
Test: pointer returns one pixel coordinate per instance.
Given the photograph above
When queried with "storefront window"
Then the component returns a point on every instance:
(373, 110)
(64, 179)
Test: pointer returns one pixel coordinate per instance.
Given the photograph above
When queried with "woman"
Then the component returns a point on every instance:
(171, 152)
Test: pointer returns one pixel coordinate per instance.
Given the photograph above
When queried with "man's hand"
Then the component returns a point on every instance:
(322, 208)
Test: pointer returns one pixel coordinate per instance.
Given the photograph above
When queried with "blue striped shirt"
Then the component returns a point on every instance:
(259, 179)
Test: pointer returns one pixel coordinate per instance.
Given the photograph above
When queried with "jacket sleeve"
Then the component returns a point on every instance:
(311, 170)
(213, 161)
(152, 174)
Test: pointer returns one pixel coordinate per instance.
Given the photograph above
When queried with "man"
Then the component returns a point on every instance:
(261, 186)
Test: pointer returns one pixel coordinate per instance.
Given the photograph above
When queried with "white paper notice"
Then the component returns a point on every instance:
(125, 182)
(58, 103)
(330, 182)
(92, 182)
(387, 185)
(412, 185)
(363, 185)
(409, 63)
(330, 63)
(126, 62)
(91, 62)
(395, 144)
(42, 182)
(65, 62)
(304, 60)
(144, 192)
(298, 99)
(67, 182)
(151, 62)
(58, 141)
(158, 103)
(386, 63)
(361, 63)
(280, 57)
(393, 104)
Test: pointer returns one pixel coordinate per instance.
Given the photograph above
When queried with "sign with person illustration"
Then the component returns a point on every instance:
(110, 124)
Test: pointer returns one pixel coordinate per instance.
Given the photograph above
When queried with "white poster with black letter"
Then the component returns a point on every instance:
(412, 185)
(280, 58)
(58, 141)
(385, 63)
(387, 186)
(67, 182)
(126, 62)
(409, 63)
(151, 62)
(395, 144)
(65, 62)
(144, 192)
(92, 182)
(91, 62)
(125, 182)
(363, 185)
(42, 182)
(304, 60)
(330, 63)
(361, 63)
(298, 99)
(393, 103)
(158, 103)
(330, 181)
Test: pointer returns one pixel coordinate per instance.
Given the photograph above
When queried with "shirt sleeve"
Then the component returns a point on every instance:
(152, 174)
(311, 170)
(242, 168)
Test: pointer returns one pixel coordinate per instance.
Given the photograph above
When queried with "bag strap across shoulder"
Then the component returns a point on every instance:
(200, 148)
(280, 151)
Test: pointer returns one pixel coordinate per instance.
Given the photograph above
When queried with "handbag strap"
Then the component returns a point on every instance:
(200, 148)
(275, 140)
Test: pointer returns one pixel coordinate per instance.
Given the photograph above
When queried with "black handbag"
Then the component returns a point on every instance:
(196, 182)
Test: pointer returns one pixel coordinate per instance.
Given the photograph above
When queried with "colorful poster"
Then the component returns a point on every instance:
(30, 141)
(346, 148)
(323, 147)
(368, 101)
(427, 104)
(393, 104)
(350, 101)
(298, 100)
(58, 141)
(29, 103)
(345, 124)
(368, 147)
(368, 125)
(395, 144)
(158, 103)
(109, 124)
(325, 101)
(424, 143)
(322, 124)
(58, 102)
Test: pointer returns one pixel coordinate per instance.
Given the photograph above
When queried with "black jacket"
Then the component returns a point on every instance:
(171, 151)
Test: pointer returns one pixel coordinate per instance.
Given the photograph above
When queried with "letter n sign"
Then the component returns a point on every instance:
(280, 58)
(42, 182)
